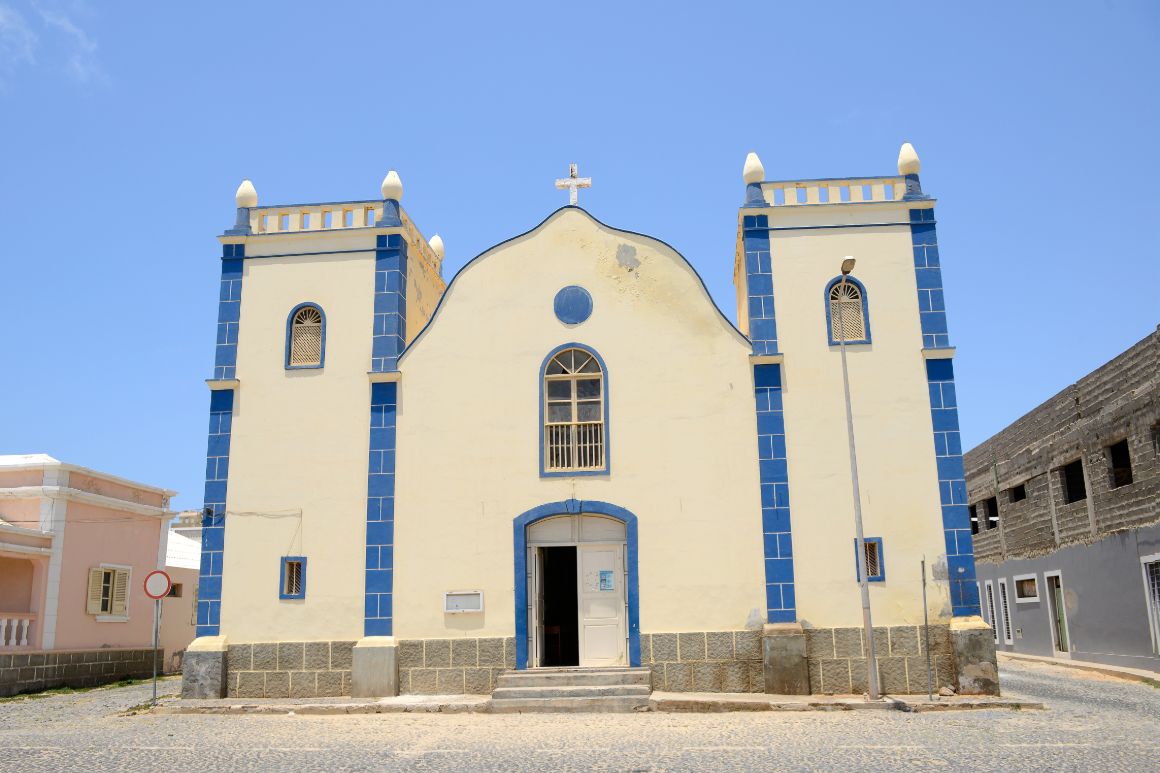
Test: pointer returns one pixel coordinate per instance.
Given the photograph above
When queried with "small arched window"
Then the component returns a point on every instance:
(847, 314)
(574, 413)
(306, 337)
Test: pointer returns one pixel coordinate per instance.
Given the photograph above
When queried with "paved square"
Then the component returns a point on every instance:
(1093, 723)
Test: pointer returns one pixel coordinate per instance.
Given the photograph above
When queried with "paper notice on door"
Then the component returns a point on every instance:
(606, 580)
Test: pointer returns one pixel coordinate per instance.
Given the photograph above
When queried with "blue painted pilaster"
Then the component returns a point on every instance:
(952, 487)
(390, 325)
(388, 340)
(378, 617)
(221, 410)
(781, 604)
(944, 409)
(759, 284)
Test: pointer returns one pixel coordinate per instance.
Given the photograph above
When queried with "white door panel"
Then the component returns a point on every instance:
(601, 607)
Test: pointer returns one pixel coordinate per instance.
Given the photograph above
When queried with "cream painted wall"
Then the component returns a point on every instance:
(682, 429)
(298, 453)
(892, 424)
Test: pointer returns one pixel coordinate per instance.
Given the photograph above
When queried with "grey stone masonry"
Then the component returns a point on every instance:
(707, 661)
(837, 659)
(312, 669)
(1116, 402)
(34, 671)
(453, 666)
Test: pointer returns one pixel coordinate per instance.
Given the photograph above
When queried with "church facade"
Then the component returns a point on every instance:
(569, 456)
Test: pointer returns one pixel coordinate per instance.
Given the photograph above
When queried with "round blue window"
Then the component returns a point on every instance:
(572, 305)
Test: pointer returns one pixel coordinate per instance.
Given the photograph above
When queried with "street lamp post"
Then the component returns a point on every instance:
(860, 542)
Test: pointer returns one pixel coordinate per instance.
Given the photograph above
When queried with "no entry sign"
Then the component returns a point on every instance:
(157, 584)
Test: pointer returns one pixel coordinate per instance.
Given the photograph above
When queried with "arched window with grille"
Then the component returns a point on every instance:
(305, 337)
(847, 313)
(574, 412)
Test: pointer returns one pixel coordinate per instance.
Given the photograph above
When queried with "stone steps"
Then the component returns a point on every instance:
(572, 690)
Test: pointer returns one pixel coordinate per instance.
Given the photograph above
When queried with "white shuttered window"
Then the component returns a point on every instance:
(574, 397)
(108, 591)
(846, 313)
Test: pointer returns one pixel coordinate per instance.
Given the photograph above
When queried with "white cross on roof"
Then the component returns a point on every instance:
(573, 183)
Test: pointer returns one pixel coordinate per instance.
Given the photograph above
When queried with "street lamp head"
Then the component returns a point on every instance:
(847, 266)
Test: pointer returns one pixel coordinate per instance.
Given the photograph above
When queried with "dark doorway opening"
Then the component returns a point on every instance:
(561, 629)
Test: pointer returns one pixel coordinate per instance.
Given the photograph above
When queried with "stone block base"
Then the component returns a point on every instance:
(783, 654)
(311, 669)
(837, 660)
(704, 661)
(974, 653)
(44, 670)
(453, 666)
(204, 668)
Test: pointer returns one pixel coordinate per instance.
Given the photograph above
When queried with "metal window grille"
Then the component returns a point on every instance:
(1152, 571)
(991, 611)
(292, 581)
(873, 562)
(1006, 612)
(573, 412)
(306, 337)
(846, 319)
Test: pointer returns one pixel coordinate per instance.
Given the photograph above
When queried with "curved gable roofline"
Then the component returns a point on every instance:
(451, 285)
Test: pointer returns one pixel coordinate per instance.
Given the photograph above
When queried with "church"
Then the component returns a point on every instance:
(567, 458)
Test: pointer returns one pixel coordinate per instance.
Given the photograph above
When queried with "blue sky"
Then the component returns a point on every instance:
(127, 127)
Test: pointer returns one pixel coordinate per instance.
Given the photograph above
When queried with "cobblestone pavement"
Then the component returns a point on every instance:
(1093, 723)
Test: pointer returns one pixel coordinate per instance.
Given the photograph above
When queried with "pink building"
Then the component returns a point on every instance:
(75, 546)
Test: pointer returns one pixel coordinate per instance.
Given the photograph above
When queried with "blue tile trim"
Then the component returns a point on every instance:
(378, 619)
(944, 413)
(389, 336)
(759, 284)
(928, 274)
(881, 576)
(607, 425)
(282, 578)
(229, 311)
(520, 542)
(217, 464)
(290, 324)
(773, 472)
(865, 311)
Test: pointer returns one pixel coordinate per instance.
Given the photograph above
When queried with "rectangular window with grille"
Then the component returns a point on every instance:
(1151, 566)
(1005, 609)
(991, 611)
(108, 591)
(875, 561)
(293, 579)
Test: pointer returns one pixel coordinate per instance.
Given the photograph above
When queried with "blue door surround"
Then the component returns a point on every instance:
(574, 507)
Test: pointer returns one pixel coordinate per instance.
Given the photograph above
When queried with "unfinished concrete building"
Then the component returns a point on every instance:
(1064, 506)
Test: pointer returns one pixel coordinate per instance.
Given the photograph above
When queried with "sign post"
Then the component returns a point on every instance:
(157, 585)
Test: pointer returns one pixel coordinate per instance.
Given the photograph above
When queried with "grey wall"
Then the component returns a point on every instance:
(1104, 594)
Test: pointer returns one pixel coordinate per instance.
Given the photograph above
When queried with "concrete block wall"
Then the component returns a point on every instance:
(35, 671)
(453, 666)
(709, 661)
(837, 659)
(1118, 400)
(314, 669)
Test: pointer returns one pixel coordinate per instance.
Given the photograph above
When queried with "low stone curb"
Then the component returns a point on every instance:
(660, 702)
(1131, 674)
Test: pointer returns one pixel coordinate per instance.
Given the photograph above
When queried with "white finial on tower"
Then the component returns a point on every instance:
(437, 246)
(908, 159)
(246, 196)
(753, 172)
(392, 186)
